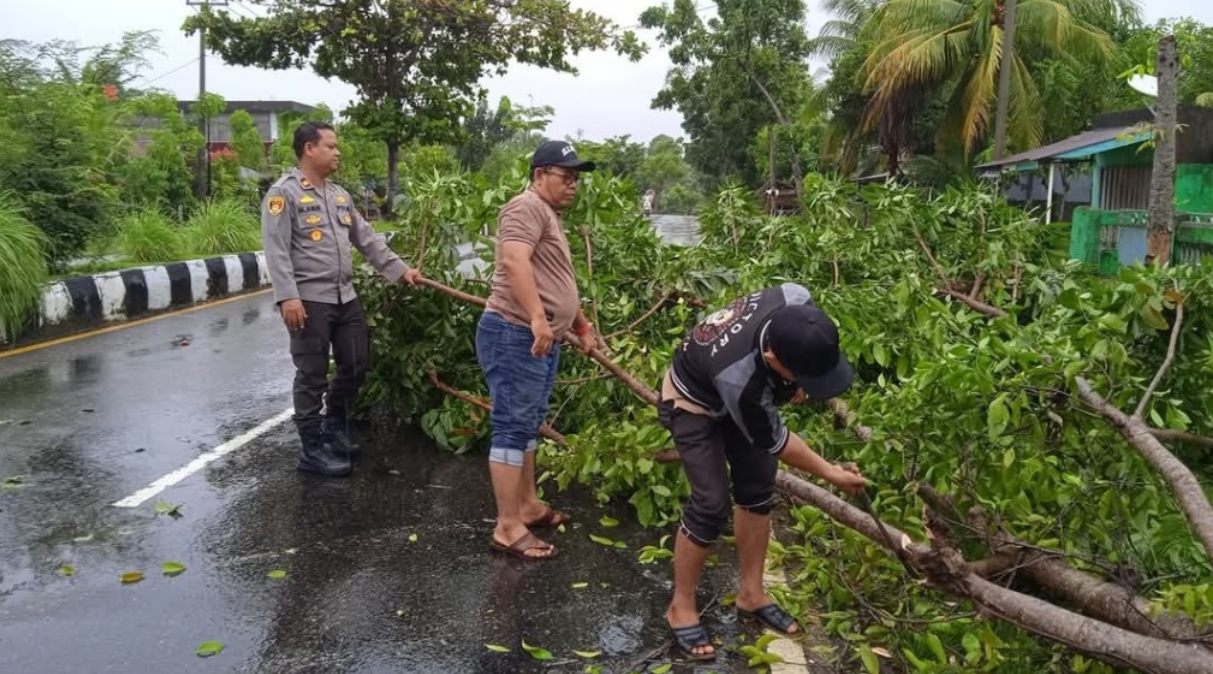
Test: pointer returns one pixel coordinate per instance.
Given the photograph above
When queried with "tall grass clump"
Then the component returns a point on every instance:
(22, 264)
(221, 227)
(148, 236)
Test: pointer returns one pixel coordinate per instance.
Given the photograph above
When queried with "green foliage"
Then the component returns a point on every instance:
(222, 227)
(22, 265)
(147, 236)
(416, 65)
(486, 129)
(162, 175)
(974, 407)
(722, 66)
(247, 142)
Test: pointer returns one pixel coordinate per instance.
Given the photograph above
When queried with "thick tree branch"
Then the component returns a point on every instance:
(845, 417)
(1167, 435)
(948, 571)
(545, 430)
(1166, 363)
(1183, 483)
(980, 307)
(938, 269)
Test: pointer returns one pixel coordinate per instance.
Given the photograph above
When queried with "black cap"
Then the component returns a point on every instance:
(805, 340)
(559, 153)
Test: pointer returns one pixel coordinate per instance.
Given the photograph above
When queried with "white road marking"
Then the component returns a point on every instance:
(141, 496)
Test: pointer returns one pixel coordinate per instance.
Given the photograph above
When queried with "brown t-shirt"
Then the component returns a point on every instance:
(529, 219)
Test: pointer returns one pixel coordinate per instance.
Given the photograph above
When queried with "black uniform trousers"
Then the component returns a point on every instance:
(342, 329)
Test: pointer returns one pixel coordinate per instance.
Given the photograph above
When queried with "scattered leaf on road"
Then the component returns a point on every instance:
(536, 652)
(412, 538)
(882, 652)
(560, 528)
(209, 648)
(497, 649)
(393, 472)
(13, 482)
(163, 507)
(580, 586)
(277, 574)
(66, 570)
(132, 577)
(587, 654)
(608, 522)
(172, 568)
(662, 669)
(291, 551)
(400, 613)
(602, 541)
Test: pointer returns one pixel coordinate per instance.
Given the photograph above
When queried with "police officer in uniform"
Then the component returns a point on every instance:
(310, 228)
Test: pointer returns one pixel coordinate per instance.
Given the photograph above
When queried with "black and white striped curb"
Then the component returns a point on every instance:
(85, 302)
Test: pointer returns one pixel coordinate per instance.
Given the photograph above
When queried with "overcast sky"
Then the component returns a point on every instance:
(609, 97)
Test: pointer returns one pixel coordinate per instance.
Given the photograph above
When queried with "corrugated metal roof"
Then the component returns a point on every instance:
(1075, 147)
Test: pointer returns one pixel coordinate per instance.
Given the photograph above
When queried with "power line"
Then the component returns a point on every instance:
(161, 76)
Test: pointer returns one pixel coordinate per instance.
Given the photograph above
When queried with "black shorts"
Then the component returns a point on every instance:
(713, 450)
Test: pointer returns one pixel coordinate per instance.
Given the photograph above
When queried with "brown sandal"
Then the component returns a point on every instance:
(550, 518)
(519, 547)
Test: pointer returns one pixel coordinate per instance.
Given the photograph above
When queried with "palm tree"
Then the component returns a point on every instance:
(923, 44)
(842, 31)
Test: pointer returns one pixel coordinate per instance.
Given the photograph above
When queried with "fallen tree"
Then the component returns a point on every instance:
(994, 471)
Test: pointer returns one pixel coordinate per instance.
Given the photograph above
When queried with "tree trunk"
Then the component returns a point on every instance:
(1005, 66)
(393, 179)
(1162, 185)
(797, 174)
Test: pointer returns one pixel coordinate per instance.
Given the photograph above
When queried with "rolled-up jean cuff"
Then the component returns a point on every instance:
(510, 457)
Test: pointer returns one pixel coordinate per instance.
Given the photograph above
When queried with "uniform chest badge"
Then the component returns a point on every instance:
(346, 219)
(317, 235)
(276, 205)
(312, 219)
(340, 199)
(307, 199)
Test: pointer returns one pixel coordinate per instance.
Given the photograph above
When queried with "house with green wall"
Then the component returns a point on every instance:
(1111, 230)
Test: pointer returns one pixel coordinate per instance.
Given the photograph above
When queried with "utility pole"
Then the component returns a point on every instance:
(1004, 78)
(202, 188)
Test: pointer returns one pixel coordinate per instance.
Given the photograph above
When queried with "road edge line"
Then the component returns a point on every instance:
(143, 495)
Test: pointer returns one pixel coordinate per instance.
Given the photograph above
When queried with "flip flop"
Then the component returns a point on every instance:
(519, 547)
(550, 518)
(773, 617)
(691, 637)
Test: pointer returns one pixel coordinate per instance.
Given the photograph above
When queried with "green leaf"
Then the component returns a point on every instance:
(998, 416)
(412, 538)
(131, 577)
(13, 482)
(580, 586)
(496, 648)
(163, 507)
(602, 541)
(172, 568)
(663, 669)
(67, 570)
(277, 574)
(972, 646)
(662, 490)
(536, 652)
(936, 647)
(587, 654)
(608, 522)
(870, 662)
(1153, 317)
(209, 648)
(1008, 457)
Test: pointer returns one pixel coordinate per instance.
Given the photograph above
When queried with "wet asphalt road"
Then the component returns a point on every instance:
(90, 422)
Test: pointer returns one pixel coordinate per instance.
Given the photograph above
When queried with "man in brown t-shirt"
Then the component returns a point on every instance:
(533, 307)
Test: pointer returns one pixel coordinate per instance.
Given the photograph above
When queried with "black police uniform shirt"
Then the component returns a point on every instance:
(719, 366)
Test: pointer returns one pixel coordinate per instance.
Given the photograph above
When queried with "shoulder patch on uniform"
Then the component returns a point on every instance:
(276, 204)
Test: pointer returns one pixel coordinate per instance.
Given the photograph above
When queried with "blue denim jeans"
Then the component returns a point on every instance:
(519, 383)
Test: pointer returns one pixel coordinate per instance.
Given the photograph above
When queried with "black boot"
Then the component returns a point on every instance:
(320, 456)
(337, 433)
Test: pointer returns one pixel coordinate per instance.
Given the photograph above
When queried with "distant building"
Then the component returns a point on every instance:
(266, 115)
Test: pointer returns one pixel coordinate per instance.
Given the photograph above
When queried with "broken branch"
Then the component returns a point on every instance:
(648, 314)
(1166, 363)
